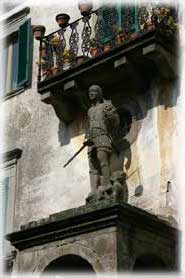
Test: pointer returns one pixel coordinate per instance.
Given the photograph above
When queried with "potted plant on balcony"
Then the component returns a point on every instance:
(62, 20)
(42, 64)
(107, 47)
(80, 59)
(43, 51)
(55, 69)
(66, 59)
(55, 40)
(85, 7)
(120, 36)
(134, 35)
(149, 24)
(164, 20)
(38, 31)
(94, 49)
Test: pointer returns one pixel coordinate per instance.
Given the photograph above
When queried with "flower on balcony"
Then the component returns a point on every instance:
(164, 19)
(66, 59)
(163, 11)
(67, 54)
(120, 35)
(94, 49)
(41, 62)
(173, 25)
(55, 39)
(55, 70)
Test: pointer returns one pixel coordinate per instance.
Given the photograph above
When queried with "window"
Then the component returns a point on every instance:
(4, 185)
(17, 60)
(8, 179)
(10, 63)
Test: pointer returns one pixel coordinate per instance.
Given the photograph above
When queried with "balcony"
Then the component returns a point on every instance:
(121, 53)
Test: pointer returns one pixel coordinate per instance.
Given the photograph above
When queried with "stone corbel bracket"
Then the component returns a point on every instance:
(63, 101)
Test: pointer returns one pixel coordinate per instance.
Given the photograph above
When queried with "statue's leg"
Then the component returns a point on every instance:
(103, 158)
(91, 176)
(94, 172)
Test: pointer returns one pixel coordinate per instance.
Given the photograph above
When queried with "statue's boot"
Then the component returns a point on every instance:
(95, 181)
(106, 174)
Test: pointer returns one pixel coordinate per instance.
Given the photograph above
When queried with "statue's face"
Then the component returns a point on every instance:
(93, 94)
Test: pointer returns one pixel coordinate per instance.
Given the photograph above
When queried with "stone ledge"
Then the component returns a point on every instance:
(86, 219)
(10, 155)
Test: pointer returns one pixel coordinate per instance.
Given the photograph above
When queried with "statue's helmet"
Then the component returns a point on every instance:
(98, 89)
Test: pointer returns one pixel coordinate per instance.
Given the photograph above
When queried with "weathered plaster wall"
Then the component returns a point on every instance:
(44, 186)
(153, 155)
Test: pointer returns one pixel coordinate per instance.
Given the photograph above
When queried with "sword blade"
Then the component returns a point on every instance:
(74, 156)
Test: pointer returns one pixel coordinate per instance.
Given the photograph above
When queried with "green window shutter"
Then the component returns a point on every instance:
(134, 15)
(106, 13)
(117, 17)
(25, 38)
(110, 21)
(14, 64)
(119, 13)
(4, 62)
(129, 19)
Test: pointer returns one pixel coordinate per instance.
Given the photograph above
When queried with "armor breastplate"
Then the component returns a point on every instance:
(96, 120)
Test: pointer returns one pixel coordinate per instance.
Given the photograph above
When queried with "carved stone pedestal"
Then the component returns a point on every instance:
(117, 191)
(104, 237)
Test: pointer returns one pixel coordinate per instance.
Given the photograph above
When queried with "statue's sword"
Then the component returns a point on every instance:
(85, 144)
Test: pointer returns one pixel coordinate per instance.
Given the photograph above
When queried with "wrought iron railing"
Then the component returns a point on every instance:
(92, 35)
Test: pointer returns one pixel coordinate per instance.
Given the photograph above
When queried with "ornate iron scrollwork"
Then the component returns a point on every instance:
(59, 49)
(74, 42)
(86, 34)
(49, 56)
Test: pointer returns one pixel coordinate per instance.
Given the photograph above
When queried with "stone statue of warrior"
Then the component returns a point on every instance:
(102, 117)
